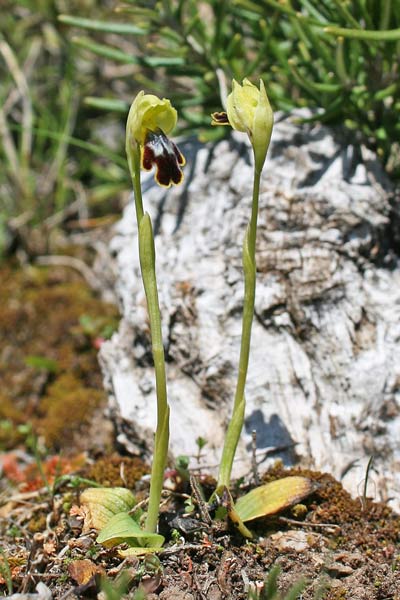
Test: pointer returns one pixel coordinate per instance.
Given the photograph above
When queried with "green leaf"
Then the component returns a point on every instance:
(271, 582)
(103, 503)
(105, 51)
(121, 528)
(123, 57)
(106, 26)
(111, 104)
(391, 35)
(273, 497)
(163, 61)
(42, 363)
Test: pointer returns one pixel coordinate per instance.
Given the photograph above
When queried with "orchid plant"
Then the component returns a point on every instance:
(248, 111)
(148, 146)
(150, 120)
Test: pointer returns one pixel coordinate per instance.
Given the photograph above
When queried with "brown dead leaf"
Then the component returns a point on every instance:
(50, 547)
(82, 571)
(77, 511)
(6, 510)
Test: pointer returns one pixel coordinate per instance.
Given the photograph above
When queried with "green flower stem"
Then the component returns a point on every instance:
(249, 269)
(147, 265)
(133, 154)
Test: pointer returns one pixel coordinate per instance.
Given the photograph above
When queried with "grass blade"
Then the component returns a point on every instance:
(110, 104)
(105, 26)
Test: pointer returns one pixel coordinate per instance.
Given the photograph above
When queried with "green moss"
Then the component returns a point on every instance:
(37, 523)
(40, 324)
(66, 409)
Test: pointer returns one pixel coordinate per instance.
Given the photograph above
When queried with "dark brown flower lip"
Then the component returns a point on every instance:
(219, 118)
(161, 152)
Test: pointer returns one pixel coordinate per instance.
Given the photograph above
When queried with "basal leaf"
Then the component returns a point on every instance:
(136, 551)
(102, 504)
(121, 528)
(273, 497)
(237, 521)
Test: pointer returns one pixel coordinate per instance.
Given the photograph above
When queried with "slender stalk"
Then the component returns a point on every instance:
(133, 154)
(249, 268)
(147, 264)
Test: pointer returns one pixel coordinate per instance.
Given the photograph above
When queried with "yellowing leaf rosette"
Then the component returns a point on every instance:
(273, 497)
(100, 504)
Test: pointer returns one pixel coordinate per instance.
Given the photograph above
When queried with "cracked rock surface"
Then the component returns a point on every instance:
(324, 375)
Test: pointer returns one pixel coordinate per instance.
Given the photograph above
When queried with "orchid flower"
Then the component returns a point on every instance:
(150, 121)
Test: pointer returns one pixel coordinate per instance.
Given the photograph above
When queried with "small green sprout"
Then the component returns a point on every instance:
(117, 589)
(38, 451)
(269, 590)
(5, 570)
(201, 443)
(182, 466)
(189, 506)
(175, 536)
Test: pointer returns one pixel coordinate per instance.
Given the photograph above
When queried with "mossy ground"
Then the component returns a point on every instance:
(48, 366)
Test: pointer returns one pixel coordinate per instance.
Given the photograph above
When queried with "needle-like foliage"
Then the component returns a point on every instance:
(338, 56)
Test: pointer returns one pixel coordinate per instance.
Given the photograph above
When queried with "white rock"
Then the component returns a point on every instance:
(324, 366)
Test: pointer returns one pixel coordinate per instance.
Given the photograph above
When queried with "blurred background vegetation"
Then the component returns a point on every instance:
(69, 70)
